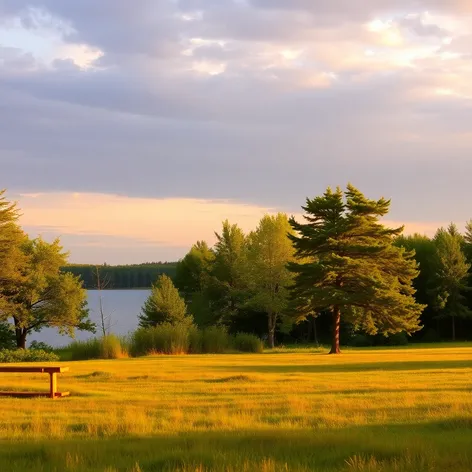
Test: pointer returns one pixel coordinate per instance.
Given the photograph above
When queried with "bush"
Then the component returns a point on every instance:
(215, 340)
(7, 336)
(397, 339)
(195, 340)
(25, 355)
(40, 346)
(107, 347)
(248, 343)
(180, 338)
(165, 338)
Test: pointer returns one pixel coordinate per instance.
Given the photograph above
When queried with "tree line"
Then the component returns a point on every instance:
(122, 276)
(338, 275)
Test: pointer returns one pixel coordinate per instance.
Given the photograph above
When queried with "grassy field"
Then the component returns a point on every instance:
(366, 410)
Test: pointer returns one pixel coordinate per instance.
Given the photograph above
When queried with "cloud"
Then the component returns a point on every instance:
(88, 221)
(258, 102)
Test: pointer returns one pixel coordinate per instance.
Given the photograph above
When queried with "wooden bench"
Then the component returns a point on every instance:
(52, 371)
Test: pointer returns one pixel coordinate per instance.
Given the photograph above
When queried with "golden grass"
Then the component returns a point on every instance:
(354, 398)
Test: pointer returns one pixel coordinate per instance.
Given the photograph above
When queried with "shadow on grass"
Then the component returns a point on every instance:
(440, 446)
(355, 367)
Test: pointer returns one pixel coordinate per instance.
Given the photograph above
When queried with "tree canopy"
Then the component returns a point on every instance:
(351, 267)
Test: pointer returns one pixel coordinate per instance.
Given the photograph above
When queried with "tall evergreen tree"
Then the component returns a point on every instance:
(228, 281)
(452, 276)
(353, 268)
(270, 250)
(164, 305)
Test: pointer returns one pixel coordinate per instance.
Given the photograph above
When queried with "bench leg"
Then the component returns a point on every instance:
(52, 384)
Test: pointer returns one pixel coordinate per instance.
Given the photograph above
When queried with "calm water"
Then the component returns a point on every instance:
(124, 307)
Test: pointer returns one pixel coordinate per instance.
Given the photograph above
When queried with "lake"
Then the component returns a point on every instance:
(124, 307)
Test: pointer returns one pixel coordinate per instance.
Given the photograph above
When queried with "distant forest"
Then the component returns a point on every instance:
(122, 276)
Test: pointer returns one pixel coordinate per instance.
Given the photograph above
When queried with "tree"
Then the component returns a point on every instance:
(12, 258)
(45, 296)
(192, 271)
(270, 250)
(102, 282)
(164, 305)
(468, 240)
(452, 275)
(227, 284)
(424, 250)
(353, 268)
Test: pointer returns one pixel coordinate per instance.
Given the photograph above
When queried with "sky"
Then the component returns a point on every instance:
(132, 129)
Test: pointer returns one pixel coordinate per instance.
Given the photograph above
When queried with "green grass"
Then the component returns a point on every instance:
(407, 410)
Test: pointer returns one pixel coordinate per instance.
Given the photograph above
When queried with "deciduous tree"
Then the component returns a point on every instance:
(270, 250)
(45, 296)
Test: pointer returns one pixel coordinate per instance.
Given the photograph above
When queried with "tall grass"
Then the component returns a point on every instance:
(181, 339)
(384, 410)
(248, 343)
(162, 339)
(107, 347)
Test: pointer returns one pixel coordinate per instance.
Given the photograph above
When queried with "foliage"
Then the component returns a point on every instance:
(351, 267)
(122, 276)
(25, 355)
(164, 338)
(215, 340)
(40, 346)
(244, 342)
(164, 305)
(269, 279)
(451, 276)
(44, 296)
(192, 271)
(182, 339)
(7, 337)
(106, 347)
(228, 285)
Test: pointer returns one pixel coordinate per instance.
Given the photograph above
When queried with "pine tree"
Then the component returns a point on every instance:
(228, 275)
(351, 266)
(452, 276)
(164, 305)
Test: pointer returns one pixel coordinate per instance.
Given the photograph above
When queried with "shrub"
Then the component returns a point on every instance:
(215, 340)
(165, 338)
(195, 340)
(40, 346)
(7, 336)
(111, 348)
(107, 347)
(397, 339)
(248, 343)
(25, 355)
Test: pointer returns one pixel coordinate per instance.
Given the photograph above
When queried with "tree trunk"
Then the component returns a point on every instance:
(271, 323)
(315, 333)
(20, 338)
(453, 328)
(336, 325)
